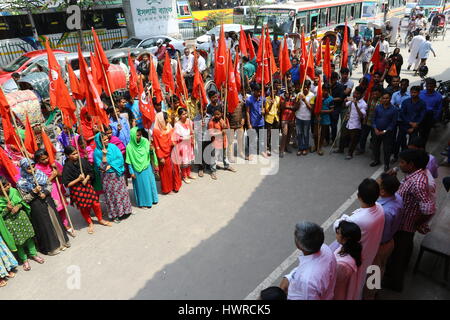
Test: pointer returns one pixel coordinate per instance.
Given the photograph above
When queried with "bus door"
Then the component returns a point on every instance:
(302, 21)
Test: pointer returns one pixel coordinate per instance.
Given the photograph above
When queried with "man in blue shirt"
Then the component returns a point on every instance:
(120, 129)
(384, 122)
(255, 117)
(411, 114)
(401, 95)
(433, 101)
(295, 71)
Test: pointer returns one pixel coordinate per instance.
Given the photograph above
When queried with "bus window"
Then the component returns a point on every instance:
(184, 10)
(357, 10)
(239, 11)
(341, 14)
(323, 18)
(348, 12)
(333, 15)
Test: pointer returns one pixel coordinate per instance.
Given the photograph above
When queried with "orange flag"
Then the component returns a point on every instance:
(157, 92)
(8, 167)
(310, 71)
(232, 93)
(167, 76)
(49, 147)
(285, 61)
(99, 51)
(271, 57)
(4, 105)
(319, 99)
(103, 65)
(344, 61)
(96, 72)
(83, 73)
(375, 58)
(146, 107)
(243, 43)
(220, 68)
(9, 133)
(237, 74)
(181, 89)
(30, 138)
(369, 90)
(327, 60)
(263, 61)
(319, 54)
(74, 83)
(393, 71)
(251, 48)
(133, 78)
(198, 88)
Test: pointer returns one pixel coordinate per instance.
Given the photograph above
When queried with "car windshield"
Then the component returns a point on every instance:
(132, 42)
(16, 64)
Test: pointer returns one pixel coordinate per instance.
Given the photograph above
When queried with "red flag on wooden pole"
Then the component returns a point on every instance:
(74, 83)
(327, 60)
(49, 147)
(251, 48)
(303, 58)
(133, 78)
(220, 68)
(4, 105)
(198, 88)
(181, 89)
(156, 86)
(237, 74)
(319, 54)
(310, 70)
(344, 59)
(375, 58)
(30, 139)
(285, 61)
(8, 166)
(146, 107)
(243, 43)
(319, 100)
(233, 93)
(167, 76)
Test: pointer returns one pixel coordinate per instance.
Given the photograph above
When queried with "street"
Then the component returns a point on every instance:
(215, 239)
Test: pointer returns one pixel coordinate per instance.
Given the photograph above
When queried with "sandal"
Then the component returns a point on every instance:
(71, 232)
(91, 229)
(3, 283)
(299, 153)
(11, 274)
(38, 259)
(105, 223)
(26, 266)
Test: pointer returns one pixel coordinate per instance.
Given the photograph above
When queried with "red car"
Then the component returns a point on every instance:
(21, 63)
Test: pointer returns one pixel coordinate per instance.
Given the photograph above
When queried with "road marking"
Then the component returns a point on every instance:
(293, 257)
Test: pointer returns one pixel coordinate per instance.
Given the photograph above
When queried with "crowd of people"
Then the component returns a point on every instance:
(196, 125)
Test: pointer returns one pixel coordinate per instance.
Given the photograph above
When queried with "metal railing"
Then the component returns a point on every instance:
(13, 49)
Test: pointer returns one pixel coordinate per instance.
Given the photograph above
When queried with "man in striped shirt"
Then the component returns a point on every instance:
(418, 208)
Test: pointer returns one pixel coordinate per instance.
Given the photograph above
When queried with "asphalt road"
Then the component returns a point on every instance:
(214, 239)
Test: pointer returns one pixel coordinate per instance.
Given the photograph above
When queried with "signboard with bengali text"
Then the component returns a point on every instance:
(154, 17)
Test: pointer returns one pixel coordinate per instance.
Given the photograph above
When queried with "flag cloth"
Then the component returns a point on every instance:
(83, 73)
(310, 70)
(4, 105)
(146, 107)
(49, 147)
(376, 57)
(369, 90)
(30, 138)
(327, 60)
(96, 72)
(237, 73)
(103, 76)
(393, 71)
(263, 62)
(181, 89)
(243, 43)
(303, 58)
(344, 58)
(58, 91)
(319, 54)
(220, 68)
(99, 51)
(74, 83)
(319, 98)
(270, 56)
(9, 133)
(285, 60)
(133, 78)
(8, 167)
(167, 76)
(198, 88)
(156, 86)
(232, 92)
(250, 48)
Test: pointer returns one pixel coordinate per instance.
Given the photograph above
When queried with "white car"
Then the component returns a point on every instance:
(149, 43)
(202, 41)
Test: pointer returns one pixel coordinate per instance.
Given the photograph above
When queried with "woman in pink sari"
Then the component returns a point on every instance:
(54, 172)
(348, 258)
(184, 138)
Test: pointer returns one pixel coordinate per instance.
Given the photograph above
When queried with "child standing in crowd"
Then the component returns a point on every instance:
(323, 121)
(288, 108)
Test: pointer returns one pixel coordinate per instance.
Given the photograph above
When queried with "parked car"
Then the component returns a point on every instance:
(24, 63)
(149, 43)
(202, 41)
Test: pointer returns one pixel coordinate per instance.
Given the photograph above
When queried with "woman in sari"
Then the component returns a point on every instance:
(54, 173)
(184, 137)
(82, 193)
(51, 235)
(138, 159)
(162, 139)
(109, 160)
(17, 230)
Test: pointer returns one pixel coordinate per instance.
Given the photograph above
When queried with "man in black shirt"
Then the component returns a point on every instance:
(338, 94)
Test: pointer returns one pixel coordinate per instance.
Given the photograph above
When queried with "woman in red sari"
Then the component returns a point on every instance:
(162, 140)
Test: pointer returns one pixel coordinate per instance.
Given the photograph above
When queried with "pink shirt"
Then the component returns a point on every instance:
(346, 277)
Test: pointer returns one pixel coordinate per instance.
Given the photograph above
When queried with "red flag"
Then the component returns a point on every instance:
(232, 92)
(237, 74)
(9, 133)
(243, 43)
(99, 51)
(250, 48)
(133, 78)
(303, 58)
(59, 93)
(393, 71)
(263, 61)
(327, 60)
(270, 56)
(344, 59)
(220, 68)
(167, 76)
(181, 89)
(369, 90)
(95, 104)
(8, 167)
(285, 61)
(4, 105)
(310, 71)
(96, 71)
(156, 86)
(198, 88)
(30, 138)
(146, 107)
(74, 83)
(319, 99)
(102, 68)
(49, 147)
(83, 73)
(319, 54)
(376, 58)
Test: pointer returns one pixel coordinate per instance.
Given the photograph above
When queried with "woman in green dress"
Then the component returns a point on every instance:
(15, 214)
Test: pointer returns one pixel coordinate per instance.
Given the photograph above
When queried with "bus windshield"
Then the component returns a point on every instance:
(369, 9)
(430, 3)
(278, 24)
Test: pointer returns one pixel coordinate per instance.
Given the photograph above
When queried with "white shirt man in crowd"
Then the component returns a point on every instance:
(315, 276)
(370, 219)
(384, 45)
(187, 62)
(414, 47)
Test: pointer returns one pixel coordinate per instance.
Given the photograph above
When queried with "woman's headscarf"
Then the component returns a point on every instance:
(27, 182)
(114, 157)
(87, 127)
(161, 123)
(138, 153)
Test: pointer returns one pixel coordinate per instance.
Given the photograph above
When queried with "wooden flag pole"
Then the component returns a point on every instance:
(263, 85)
(63, 199)
(5, 194)
(306, 68)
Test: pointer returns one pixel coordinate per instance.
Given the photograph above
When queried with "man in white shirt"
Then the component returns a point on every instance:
(187, 66)
(420, 22)
(352, 50)
(290, 44)
(365, 55)
(384, 45)
(370, 219)
(357, 111)
(424, 52)
(414, 47)
(315, 276)
(303, 119)
(201, 63)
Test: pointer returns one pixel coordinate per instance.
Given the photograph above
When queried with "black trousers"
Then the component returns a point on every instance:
(426, 125)
(387, 140)
(365, 131)
(399, 260)
(352, 135)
